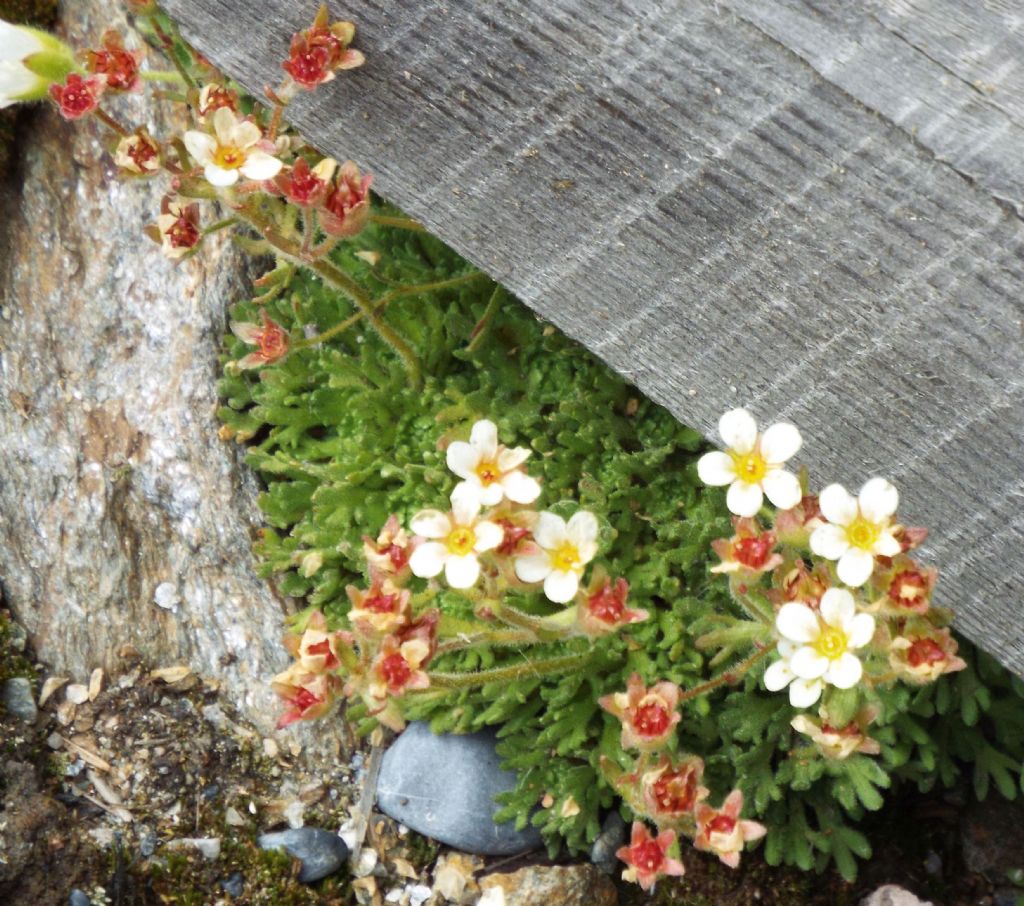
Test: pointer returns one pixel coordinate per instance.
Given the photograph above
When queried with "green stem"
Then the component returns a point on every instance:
(220, 225)
(169, 49)
(522, 670)
(162, 75)
(729, 677)
(110, 122)
(489, 637)
(480, 331)
(403, 223)
(341, 281)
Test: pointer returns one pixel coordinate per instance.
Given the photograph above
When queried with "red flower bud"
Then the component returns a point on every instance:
(78, 97)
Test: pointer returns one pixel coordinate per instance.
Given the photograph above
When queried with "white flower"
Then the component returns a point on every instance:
(565, 550)
(25, 79)
(816, 647)
(455, 540)
(231, 150)
(752, 464)
(859, 529)
(490, 468)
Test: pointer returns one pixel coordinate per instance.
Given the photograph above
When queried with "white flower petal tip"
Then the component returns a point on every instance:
(738, 430)
(565, 550)
(780, 442)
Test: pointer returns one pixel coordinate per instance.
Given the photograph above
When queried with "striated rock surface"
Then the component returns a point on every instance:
(114, 481)
(566, 885)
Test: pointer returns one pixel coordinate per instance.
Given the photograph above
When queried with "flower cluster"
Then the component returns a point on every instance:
(848, 607)
(666, 788)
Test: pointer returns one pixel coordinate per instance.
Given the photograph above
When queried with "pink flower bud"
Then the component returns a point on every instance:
(119, 65)
(648, 715)
(78, 97)
(647, 857)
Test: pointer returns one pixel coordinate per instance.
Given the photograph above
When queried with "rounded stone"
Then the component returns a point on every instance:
(444, 787)
(321, 852)
(19, 700)
(79, 898)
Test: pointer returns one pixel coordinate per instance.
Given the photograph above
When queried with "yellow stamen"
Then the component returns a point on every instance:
(831, 643)
(488, 472)
(863, 534)
(750, 467)
(461, 540)
(228, 157)
(565, 558)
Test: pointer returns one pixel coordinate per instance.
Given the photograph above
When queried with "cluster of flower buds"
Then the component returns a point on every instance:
(666, 788)
(226, 156)
(848, 606)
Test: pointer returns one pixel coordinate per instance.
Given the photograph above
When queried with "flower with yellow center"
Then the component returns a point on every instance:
(817, 647)
(231, 151)
(492, 469)
(752, 464)
(454, 540)
(858, 529)
(565, 548)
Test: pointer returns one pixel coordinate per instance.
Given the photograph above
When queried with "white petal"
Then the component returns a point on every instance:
(878, 500)
(431, 524)
(560, 587)
(17, 43)
(484, 437)
(462, 572)
(428, 559)
(490, 495)
(782, 488)
(16, 81)
(716, 468)
(245, 134)
(855, 567)
(744, 499)
(780, 442)
(463, 459)
(260, 166)
(224, 122)
(739, 430)
(520, 487)
(511, 459)
(845, 672)
(804, 693)
(550, 531)
(861, 631)
(215, 176)
(200, 145)
(887, 545)
(837, 607)
(807, 663)
(587, 551)
(838, 505)
(488, 535)
(777, 676)
(582, 529)
(533, 567)
(465, 503)
(829, 541)
(797, 622)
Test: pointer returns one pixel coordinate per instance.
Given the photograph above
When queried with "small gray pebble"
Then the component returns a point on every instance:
(78, 898)
(147, 845)
(19, 700)
(234, 884)
(933, 864)
(211, 792)
(18, 636)
(321, 852)
(608, 842)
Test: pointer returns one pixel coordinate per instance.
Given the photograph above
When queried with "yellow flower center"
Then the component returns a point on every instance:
(750, 467)
(227, 157)
(831, 643)
(460, 541)
(863, 534)
(565, 558)
(488, 472)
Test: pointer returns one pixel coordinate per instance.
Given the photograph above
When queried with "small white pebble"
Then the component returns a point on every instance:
(166, 595)
(366, 864)
(77, 694)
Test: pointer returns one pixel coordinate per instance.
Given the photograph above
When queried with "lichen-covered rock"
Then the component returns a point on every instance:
(115, 481)
(893, 895)
(566, 885)
(18, 700)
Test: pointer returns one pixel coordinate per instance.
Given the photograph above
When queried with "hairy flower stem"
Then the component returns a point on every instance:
(490, 637)
(729, 677)
(403, 223)
(110, 122)
(523, 670)
(162, 75)
(412, 290)
(331, 274)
